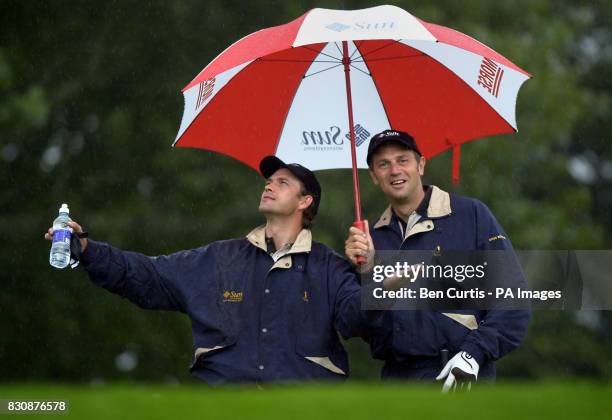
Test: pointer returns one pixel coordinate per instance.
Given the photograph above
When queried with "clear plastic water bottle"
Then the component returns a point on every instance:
(60, 249)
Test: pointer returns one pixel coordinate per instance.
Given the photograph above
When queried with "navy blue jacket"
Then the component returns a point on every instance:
(447, 222)
(253, 318)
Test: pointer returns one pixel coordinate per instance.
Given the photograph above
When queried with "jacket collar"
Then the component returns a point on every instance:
(303, 242)
(439, 206)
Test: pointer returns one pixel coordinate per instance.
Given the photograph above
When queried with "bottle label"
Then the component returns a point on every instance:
(61, 235)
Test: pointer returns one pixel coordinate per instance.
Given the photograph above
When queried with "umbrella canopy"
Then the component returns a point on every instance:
(281, 91)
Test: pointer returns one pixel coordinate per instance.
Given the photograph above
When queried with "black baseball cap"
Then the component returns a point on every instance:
(397, 136)
(271, 164)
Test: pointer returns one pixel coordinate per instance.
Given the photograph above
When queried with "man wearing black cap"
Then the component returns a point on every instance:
(265, 308)
(422, 218)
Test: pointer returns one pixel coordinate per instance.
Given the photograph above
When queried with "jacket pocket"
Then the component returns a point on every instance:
(417, 333)
(204, 351)
(455, 326)
(317, 349)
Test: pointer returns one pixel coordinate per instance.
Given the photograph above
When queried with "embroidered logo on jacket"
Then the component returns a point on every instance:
(494, 238)
(232, 296)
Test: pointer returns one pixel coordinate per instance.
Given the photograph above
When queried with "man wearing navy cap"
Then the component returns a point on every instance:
(424, 217)
(264, 308)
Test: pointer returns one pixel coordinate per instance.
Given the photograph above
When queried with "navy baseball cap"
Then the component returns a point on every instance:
(386, 136)
(271, 164)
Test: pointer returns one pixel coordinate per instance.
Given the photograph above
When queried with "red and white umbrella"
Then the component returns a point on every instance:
(287, 90)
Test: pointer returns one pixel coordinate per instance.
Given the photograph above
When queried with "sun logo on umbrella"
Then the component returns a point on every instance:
(338, 27)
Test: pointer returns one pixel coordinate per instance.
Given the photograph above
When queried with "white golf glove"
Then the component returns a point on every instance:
(461, 369)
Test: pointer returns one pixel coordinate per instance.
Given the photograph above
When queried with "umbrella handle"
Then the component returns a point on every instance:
(361, 260)
(358, 223)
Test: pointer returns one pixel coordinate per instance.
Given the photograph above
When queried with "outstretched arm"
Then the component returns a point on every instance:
(149, 282)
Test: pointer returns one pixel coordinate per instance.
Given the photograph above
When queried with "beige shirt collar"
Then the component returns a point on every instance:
(303, 242)
(439, 206)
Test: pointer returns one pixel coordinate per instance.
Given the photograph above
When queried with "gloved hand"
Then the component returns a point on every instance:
(76, 248)
(462, 369)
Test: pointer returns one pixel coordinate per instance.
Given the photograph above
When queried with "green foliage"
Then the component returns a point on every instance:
(90, 103)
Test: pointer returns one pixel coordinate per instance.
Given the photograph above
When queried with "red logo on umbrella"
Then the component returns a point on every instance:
(490, 76)
(206, 89)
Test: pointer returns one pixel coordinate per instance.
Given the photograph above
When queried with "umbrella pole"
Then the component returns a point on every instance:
(358, 223)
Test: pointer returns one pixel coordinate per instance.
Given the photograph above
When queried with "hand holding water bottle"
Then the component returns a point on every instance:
(61, 234)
